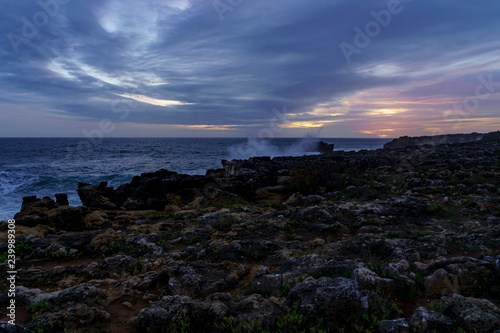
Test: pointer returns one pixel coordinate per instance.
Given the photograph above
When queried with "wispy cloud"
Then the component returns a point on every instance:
(153, 101)
(216, 76)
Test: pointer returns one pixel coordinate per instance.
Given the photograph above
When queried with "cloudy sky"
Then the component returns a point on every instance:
(287, 68)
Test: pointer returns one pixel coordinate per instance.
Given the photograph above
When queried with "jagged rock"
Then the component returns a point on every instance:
(73, 306)
(71, 317)
(82, 293)
(199, 278)
(326, 296)
(367, 279)
(297, 199)
(394, 326)
(406, 141)
(31, 296)
(66, 218)
(170, 310)
(313, 215)
(134, 204)
(95, 219)
(315, 264)
(474, 314)
(34, 211)
(389, 208)
(442, 283)
(424, 320)
(144, 245)
(99, 196)
(6, 327)
(117, 263)
(103, 240)
(62, 199)
(256, 307)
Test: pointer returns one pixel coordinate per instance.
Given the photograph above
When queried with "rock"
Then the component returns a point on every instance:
(406, 141)
(159, 315)
(134, 204)
(66, 218)
(367, 279)
(473, 314)
(313, 215)
(326, 296)
(31, 296)
(82, 293)
(34, 211)
(394, 326)
(256, 307)
(70, 318)
(424, 320)
(319, 146)
(144, 245)
(103, 240)
(200, 278)
(99, 196)
(164, 238)
(73, 306)
(117, 264)
(442, 283)
(11, 328)
(62, 199)
(95, 219)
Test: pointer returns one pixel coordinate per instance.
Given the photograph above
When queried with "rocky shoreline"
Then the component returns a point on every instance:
(400, 239)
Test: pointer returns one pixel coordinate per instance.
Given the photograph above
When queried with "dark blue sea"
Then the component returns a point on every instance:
(46, 166)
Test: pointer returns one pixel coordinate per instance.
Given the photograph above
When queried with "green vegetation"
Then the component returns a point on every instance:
(369, 222)
(486, 285)
(225, 223)
(291, 225)
(213, 254)
(256, 254)
(114, 247)
(438, 210)
(62, 255)
(37, 308)
(195, 240)
(294, 321)
(133, 267)
(22, 248)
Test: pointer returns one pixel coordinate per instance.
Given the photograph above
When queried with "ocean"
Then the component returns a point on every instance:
(46, 166)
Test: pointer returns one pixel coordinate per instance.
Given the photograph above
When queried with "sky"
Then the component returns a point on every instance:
(238, 68)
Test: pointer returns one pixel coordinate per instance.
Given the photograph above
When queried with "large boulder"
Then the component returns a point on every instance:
(98, 196)
(326, 296)
(472, 314)
(424, 320)
(442, 283)
(368, 279)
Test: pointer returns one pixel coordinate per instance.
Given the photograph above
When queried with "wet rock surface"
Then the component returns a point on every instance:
(393, 240)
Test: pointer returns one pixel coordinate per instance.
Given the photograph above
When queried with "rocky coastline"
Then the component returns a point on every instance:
(400, 239)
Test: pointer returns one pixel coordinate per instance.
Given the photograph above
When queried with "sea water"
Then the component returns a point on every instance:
(46, 166)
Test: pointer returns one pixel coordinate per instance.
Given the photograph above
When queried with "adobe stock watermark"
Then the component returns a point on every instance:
(30, 27)
(372, 29)
(470, 105)
(224, 6)
(11, 272)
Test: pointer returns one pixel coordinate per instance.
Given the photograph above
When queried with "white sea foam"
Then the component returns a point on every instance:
(11, 182)
(261, 147)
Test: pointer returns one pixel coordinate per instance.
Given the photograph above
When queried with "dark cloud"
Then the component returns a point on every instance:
(262, 55)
